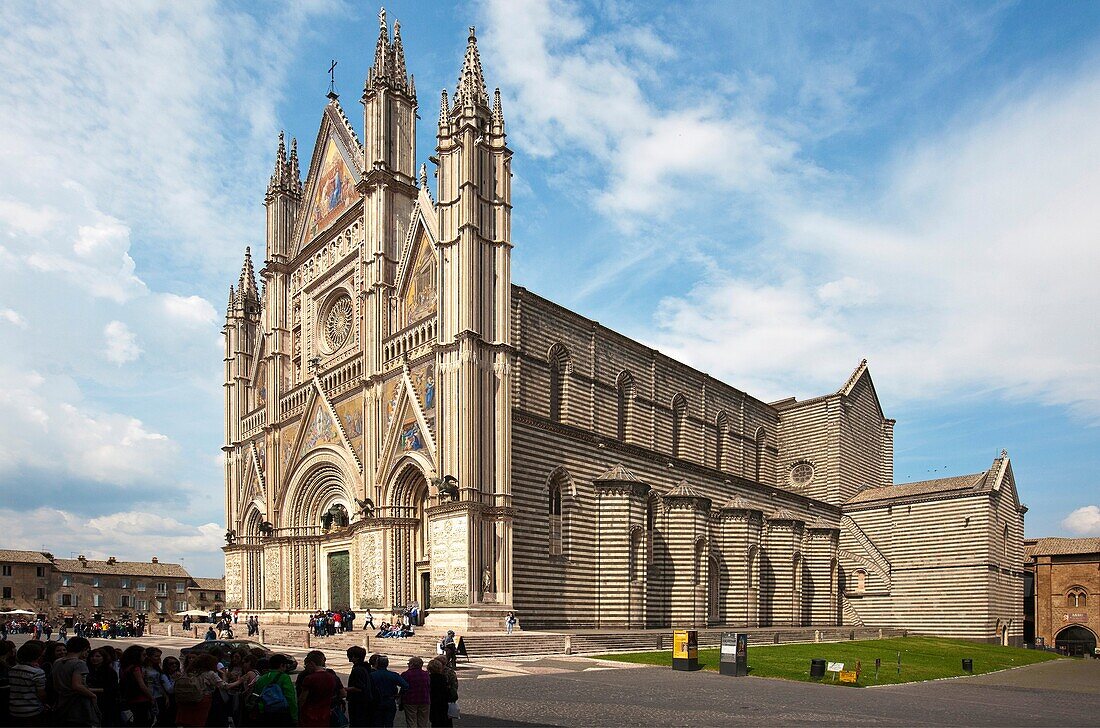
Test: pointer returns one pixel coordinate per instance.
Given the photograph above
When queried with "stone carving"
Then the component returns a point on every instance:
(234, 593)
(450, 572)
(272, 579)
(370, 569)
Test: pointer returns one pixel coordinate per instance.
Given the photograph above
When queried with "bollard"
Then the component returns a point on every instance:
(169, 630)
(568, 644)
(263, 636)
(307, 639)
(817, 638)
(968, 665)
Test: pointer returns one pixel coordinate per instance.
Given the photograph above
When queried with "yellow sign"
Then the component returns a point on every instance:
(848, 676)
(685, 644)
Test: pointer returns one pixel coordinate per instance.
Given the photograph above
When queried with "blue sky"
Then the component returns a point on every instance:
(769, 191)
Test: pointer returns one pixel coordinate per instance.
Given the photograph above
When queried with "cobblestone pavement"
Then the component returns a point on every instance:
(562, 691)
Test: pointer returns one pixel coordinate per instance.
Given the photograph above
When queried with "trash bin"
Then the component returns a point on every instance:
(968, 665)
(817, 669)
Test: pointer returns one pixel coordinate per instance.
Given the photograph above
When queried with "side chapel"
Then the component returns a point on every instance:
(403, 424)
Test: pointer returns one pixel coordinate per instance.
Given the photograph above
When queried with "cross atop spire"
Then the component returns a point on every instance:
(471, 79)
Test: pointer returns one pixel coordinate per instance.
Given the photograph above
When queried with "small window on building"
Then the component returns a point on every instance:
(97, 600)
(95, 581)
(559, 371)
(142, 605)
(141, 586)
(66, 581)
(181, 606)
(1076, 597)
(679, 424)
(40, 571)
(181, 587)
(202, 596)
(860, 580)
(7, 569)
(124, 582)
(217, 596)
(66, 600)
(7, 592)
(124, 601)
(624, 404)
(554, 508)
(162, 587)
(40, 594)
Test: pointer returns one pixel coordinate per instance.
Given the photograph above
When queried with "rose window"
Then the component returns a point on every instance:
(801, 474)
(338, 322)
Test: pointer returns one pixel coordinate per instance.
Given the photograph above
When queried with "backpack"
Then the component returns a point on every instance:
(273, 699)
(188, 689)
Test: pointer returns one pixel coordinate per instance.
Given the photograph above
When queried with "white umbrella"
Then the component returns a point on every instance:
(194, 613)
(18, 611)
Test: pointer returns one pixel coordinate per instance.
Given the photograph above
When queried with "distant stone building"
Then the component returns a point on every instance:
(69, 588)
(1063, 607)
(25, 578)
(405, 424)
(206, 594)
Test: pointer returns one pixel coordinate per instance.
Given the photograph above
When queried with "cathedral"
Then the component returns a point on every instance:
(404, 424)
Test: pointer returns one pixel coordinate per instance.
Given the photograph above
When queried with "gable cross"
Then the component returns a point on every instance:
(332, 77)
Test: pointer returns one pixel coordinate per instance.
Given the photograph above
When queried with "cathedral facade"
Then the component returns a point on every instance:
(403, 424)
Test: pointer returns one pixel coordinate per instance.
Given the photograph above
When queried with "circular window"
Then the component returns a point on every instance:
(801, 474)
(337, 321)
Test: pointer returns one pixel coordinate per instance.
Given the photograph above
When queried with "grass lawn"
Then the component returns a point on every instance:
(922, 658)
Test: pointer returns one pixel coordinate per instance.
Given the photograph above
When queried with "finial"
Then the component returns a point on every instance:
(444, 110)
(248, 251)
(382, 17)
(473, 35)
(424, 175)
(232, 298)
(1004, 454)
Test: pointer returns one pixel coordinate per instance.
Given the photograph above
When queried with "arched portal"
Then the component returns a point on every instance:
(1076, 640)
(412, 552)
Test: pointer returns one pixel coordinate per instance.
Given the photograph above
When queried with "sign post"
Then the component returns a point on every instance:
(685, 649)
(734, 658)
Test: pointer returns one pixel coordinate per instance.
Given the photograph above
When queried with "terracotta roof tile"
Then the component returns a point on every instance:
(975, 482)
(209, 584)
(618, 472)
(23, 557)
(123, 568)
(1061, 546)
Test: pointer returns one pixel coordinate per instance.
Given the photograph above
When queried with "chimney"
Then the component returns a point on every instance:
(111, 559)
(156, 560)
(83, 561)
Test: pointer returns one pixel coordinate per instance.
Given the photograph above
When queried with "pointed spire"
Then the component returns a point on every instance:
(382, 48)
(398, 52)
(444, 109)
(278, 174)
(232, 300)
(471, 79)
(246, 286)
(423, 176)
(294, 173)
(498, 111)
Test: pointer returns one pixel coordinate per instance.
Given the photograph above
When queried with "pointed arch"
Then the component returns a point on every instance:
(624, 405)
(721, 434)
(560, 509)
(324, 477)
(761, 439)
(679, 424)
(561, 366)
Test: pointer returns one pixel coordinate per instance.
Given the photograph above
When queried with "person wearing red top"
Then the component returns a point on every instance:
(318, 690)
(416, 700)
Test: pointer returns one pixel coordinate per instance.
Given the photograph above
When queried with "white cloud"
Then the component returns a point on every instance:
(1084, 521)
(127, 535)
(122, 346)
(974, 268)
(576, 91)
(13, 317)
(46, 426)
(189, 310)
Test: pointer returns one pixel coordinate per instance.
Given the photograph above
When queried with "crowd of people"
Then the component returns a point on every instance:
(46, 629)
(45, 683)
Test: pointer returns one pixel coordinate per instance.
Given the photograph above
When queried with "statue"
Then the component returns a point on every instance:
(266, 529)
(366, 507)
(448, 486)
(230, 537)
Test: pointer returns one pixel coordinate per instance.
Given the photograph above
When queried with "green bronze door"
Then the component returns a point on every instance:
(339, 580)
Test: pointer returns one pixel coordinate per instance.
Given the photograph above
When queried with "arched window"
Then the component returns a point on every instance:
(761, 441)
(637, 545)
(700, 561)
(1004, 541)
(560, 365)
(1076, 597)
(860, 580)
(721, 432)
(624, 404)
(554, 507)
(679, 422)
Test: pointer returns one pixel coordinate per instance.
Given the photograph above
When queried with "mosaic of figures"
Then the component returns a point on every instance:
(289, 435)
(420, 293)
(350, 412)
(334, 191)
(320, 429)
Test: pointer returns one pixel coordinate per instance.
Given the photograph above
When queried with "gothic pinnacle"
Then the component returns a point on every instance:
(498, 111)
(444, 110)
(246, 286)
(293, 172)
(399, 70)
(382, 49)
(424, 176)
(232, 300)
(471, 79)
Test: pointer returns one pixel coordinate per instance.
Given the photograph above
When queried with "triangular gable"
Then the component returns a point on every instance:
(418, 267)
(861, 375)
(320, 427)
(407, 429)
(1003, 478)
(334, 172)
